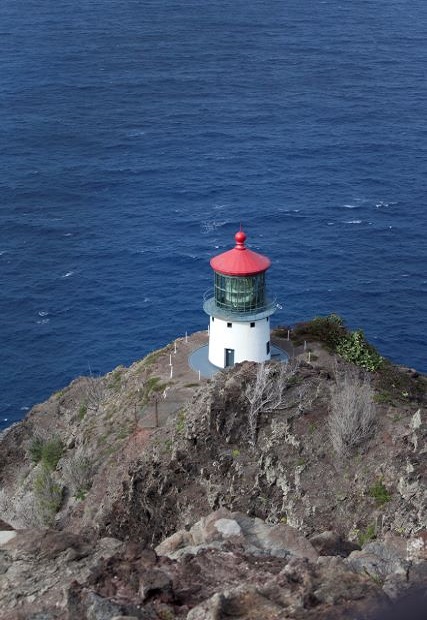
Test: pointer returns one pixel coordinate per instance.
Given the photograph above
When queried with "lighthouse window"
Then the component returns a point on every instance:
(229, 324)
(252, 324)
(240, 293)
(268, 348)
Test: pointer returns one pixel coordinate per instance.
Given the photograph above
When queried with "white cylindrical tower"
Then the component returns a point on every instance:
(239, 311)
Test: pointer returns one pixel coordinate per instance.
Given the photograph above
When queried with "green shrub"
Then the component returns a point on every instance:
(153, 385)
(282, 331)
(82, 411)
(379, 492)
(180, 421)
(46, 451)
(115, 380)
(354, 348)
(366, 535)
(52, 452)
(36, 449)
(326, 329)
(48, 496)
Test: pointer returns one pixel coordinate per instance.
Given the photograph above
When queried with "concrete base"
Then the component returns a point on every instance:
(199, 360)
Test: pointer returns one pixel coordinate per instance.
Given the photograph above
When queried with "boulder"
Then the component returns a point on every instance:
(253, 535)
(331, 543)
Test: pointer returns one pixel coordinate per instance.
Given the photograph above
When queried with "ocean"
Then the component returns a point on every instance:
(136, 136)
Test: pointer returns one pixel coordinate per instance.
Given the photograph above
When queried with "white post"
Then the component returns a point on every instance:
(288, 334)
(309, 356)
(171, 372)
(174, 350)
(199, 375)
(186, 337)
(170, 359)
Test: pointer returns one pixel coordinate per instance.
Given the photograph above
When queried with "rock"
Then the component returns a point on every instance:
(155, 582)
(278, 540)
(416, 547)
(253, 535)
(331, 543)
(228, 527)
(99, 608)
(38, 566)
(243, 602)
(7, 535)
(208, 610)
(171, 544)
(47, 545)
(378, 560)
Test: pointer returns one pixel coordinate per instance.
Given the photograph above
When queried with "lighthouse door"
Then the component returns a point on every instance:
(229, 357)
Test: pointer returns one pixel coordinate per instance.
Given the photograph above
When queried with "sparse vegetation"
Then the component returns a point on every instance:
(78, 471)
(36, 449)
(94, 392)
(396, 384)
(115, 382)
(311, 428)
(48, 452)
(152, 386)
(180, 421)
(364, 536)
(47, 495)
(153, 357)
(380, 493)
(82, 411)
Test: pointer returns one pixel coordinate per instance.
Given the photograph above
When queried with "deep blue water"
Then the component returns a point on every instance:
(136, 136)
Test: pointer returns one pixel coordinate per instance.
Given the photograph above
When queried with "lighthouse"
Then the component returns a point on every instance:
(239, 309)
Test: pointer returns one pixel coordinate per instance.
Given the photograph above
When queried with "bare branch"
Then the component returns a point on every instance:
(94, 392)
(266, 393)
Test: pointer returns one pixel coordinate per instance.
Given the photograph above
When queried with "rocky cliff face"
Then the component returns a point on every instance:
(253, 508)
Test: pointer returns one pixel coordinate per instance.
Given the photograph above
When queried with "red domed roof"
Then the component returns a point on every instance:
(240, 261)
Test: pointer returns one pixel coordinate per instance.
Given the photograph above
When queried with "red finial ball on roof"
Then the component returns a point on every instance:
(240, 261)
(240, 237)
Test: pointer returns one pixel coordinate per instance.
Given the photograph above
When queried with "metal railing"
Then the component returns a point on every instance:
(211, 307)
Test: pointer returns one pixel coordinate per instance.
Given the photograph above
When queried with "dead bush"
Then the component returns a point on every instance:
(352, 410)
(78, 471)
(267, 392)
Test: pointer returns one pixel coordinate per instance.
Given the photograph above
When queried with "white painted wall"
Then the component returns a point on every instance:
(249, 343)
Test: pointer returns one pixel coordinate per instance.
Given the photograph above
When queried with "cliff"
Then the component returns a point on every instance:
(276, 491)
